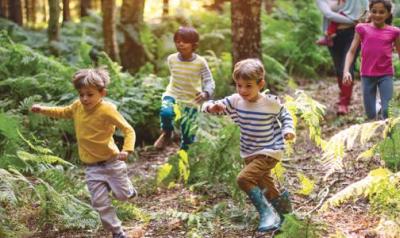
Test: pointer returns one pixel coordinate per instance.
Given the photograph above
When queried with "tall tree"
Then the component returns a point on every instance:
(15, 11)
(165, 8)
(269, 5)
(246, 29)
(66, 11)
(4, 8)
(133, 54)
(86, 5)
(108, 9)
(30, 9)
(53, 30)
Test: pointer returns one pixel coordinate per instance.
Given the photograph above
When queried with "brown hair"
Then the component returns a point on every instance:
(188, 35)
(386, 4)
(97, 77)
(249, 69)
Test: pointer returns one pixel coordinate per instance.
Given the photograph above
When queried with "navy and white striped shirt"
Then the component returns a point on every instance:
(262, 124)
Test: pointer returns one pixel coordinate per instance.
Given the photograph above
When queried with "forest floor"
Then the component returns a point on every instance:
(350, 219)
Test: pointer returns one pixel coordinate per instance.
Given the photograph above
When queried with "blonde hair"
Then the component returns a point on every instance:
(249, 69)
(97, 77)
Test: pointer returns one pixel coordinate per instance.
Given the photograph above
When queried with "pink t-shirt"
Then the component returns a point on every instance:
(376, 49)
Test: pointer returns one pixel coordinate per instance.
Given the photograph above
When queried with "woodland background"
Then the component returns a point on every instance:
(342, 172)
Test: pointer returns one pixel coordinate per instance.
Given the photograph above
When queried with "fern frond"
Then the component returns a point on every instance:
(310, 111)
(364, 187)
(334, 150)
(307, 185)
(47, 159)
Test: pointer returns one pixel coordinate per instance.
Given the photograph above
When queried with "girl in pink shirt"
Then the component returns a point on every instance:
(377, 39)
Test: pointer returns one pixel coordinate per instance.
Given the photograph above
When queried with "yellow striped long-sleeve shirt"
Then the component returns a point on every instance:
(188, 78)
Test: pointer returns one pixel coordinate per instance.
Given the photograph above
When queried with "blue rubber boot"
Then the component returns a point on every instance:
(269, 220)
(282, 204)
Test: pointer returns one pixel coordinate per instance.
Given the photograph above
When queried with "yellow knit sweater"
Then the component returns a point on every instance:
(94, 129)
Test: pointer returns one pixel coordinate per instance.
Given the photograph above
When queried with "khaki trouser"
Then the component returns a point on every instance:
(101, 179)
(257, 173)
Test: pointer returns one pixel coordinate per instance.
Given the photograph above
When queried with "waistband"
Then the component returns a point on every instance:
(103, 162)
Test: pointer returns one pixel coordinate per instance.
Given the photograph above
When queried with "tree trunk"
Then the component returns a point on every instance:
(165, 8)
(44, 11)
(66, 11)
(246, 29)
(15, 11)
(53, 30)
(133, 54)
(86, 5)
(269, 5)
(4, 8)
(108, 9)
(27, 5)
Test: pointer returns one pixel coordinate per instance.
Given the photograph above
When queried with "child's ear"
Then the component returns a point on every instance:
(103, 92)
(261, 84)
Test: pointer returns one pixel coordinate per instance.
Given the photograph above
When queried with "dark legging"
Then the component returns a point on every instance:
(341, 44)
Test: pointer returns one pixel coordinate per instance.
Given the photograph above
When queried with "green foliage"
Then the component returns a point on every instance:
(387, 149)
(215, 158)
(64, 210)
(288, 36)
(365, 187)
(384, 197)
(294, 227)
(221, 68)
(175, 170)
(126, 211)
(334, 149)
(311, 113)
(307, 185)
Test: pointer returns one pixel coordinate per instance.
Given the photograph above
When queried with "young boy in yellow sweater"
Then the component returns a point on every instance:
(95, 121)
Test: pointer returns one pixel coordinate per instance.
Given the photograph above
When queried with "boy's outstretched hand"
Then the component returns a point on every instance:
(216, 107)
(289, 136)
(347, 78)
(123, 155)
(36, 108)
(201, 97)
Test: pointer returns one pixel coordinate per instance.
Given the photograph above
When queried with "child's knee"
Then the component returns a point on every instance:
(125, 195)
(244, 183)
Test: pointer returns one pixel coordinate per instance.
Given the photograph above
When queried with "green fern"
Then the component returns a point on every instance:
(310, 111)
(334, 149)
(363, 188)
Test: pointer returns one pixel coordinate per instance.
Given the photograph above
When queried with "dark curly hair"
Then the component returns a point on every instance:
(387, 4)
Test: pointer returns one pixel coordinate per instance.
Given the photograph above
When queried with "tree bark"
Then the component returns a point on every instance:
(4, 8)
(108, 8)
(15, 11)
(27, 11)
(53, 30)
(246, 29)
(269, 5)
(165, 8)
(66, 11)
(86, 5)
(133, 54)
(44, 8)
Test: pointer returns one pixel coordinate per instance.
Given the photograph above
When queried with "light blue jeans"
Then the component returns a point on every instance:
(369, 87)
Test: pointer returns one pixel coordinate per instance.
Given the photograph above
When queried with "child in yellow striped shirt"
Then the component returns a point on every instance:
(190, 84)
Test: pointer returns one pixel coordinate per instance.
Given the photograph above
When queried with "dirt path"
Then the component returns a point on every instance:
(351, 219)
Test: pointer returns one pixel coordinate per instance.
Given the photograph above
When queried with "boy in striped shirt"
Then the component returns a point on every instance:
(190, 84)
(264, 124)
